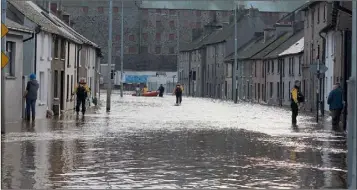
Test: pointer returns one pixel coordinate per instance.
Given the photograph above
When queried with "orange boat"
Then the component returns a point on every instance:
(148, 94)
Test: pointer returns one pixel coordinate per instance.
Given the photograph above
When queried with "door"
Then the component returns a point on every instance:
(225, 89)
(62, 90)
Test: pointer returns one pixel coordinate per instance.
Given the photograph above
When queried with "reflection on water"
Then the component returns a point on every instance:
(120, 150)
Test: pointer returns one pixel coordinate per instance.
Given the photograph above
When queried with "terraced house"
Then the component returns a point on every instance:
(216, 43)
(51, 53)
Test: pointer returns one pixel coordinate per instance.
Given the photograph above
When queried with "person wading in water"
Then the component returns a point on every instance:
(81, 91)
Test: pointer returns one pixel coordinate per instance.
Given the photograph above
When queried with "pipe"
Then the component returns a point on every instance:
(38, 30)
(30, 38)
(78, 50)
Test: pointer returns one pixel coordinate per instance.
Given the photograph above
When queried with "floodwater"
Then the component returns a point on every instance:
(147, 142)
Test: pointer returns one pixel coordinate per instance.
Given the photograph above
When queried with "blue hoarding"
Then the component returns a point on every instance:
(136, 78)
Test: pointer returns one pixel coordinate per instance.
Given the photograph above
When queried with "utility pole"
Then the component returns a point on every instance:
(122, 49)
(110, 44)
(3, 49)
(352, 104)
(234, 80)
(317, 93)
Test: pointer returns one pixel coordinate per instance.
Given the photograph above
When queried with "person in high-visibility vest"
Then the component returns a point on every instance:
(81, 91)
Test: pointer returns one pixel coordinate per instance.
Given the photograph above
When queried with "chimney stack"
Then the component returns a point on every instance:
(65, 18)
(268, 33)
(54, 8)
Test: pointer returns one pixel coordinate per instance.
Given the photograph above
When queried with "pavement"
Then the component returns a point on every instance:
(147, 142)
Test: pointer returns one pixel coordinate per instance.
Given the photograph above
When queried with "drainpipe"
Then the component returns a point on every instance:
(346, 74)
(38, 30)
(30, 38)
(189, 72)
(215, 72)
(78, 50)
(322, 84)
(281, 95)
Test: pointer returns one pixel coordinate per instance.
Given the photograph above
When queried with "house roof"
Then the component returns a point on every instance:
(308, 4)
(73, 32)
(286, 45)
(197, 44)
(298, 47)
(273, 45)
(248, 49)
(41, 18)
(18, 27)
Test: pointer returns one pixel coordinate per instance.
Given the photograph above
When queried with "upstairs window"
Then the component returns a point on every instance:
(100, 9)
(85, 10)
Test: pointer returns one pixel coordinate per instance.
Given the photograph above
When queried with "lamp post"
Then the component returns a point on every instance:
(110, 44)
(122, 49)
(234, 79)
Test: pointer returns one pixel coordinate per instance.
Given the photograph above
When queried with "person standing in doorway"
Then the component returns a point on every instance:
(81, 91)
(296, 98)
(335, 101)
(31, 97)
(161, 90)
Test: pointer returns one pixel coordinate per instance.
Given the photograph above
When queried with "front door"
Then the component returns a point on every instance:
(62, 90)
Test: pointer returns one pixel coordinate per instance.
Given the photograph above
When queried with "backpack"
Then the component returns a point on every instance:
(81, 92)
(300, 97)
(178, 90)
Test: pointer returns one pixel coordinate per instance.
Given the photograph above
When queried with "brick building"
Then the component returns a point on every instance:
(150, 34)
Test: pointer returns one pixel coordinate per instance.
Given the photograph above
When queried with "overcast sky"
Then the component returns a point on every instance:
(281, 6)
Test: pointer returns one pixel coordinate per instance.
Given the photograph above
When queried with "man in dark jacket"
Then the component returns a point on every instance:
(335, 101)
(31, 97)
(161, 90)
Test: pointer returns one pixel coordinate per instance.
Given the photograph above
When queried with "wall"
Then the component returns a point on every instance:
(312, 41)
(70, 73)
(14, 96)
(44, 57)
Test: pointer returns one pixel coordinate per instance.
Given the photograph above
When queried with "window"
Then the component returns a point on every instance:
(145, 36)
(172, 24)
(268, 66)
(55, 86)
(283, 91)
(307, 19)
(100, 9)
(272, 66)
(312, 17)
(278, 90)
(289, 90)
(42, 86)
(325, 7)
(289, 66)
(144, 49)
(198, 13)
(171, 36)
(10, 52)
(318, 15)
(85, 10)
(115, 9)
(258, 91)
(69, 50)
(132, 37)
(198, 24)
(292, 66)
(318, 52)
(145, 23)
(132, 49)
(283, 67)
(67, 95)
(271, 89)
(158, 24)
(300, 63)
(158, 36)
(158, 11)
(158, 50)
(63, 49)
(71, 84)
(255, 90)
(146, 12)
(172, 50)
(117, 37)
(56, 52)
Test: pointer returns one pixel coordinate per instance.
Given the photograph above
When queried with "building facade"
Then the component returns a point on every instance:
(13, 101)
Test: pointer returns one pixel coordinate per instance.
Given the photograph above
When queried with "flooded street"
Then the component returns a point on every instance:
(148, 142)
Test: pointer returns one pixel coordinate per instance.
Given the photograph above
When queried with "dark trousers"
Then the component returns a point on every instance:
(336, 116)
(30, 107)
(161, 94)
(178, 98)
(295, 112)
(79, 102)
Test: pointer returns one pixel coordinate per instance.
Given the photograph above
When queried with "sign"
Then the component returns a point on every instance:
(4, 58)
(4, 30)
(136, 78)
(315, 67)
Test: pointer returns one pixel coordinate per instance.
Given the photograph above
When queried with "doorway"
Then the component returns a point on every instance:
(62, 91)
